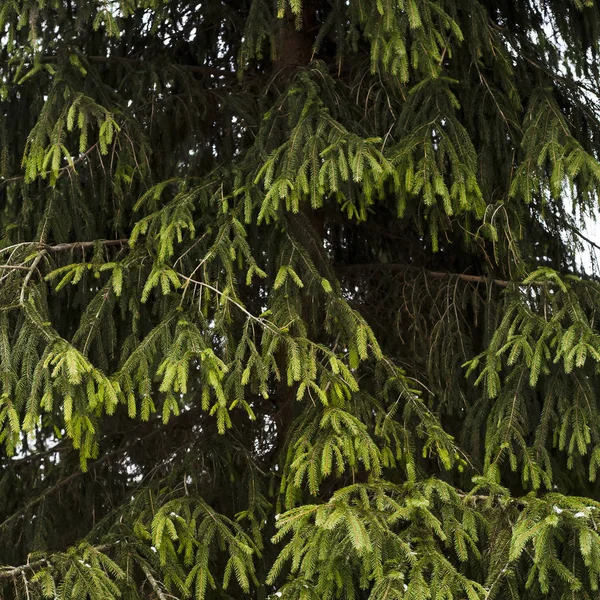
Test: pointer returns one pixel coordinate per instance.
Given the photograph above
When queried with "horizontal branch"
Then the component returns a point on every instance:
(64, 247)
(14, 268)
(434, 274)
(82, 245)
(137, 63)
(6, 572)
(124, 243)
(62, 446)
(200, 69)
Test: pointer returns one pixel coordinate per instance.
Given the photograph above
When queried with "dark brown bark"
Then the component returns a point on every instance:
(295, 37)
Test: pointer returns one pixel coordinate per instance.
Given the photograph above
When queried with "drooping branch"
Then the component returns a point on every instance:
(69, 167)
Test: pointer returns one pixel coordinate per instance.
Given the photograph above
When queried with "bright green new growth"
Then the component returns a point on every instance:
(292, 303)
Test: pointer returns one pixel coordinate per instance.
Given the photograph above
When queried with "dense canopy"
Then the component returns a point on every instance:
(292, 299)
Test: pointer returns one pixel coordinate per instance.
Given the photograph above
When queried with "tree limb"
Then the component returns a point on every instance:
(434, 274)
(137, 63)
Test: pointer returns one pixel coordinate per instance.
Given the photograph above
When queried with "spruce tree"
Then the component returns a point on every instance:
(292, 302)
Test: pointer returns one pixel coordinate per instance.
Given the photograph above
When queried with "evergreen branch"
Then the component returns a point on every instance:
(124, 243)
(57, 448)
(10, 571)
(48, 492)
(65, 247)
(200, 69)
(69, 167)
(183, 417)
(434, 274)
(442, 274)
(254, 318)
(6, 572)
(584, 238)
(137, 63)
(354, 380)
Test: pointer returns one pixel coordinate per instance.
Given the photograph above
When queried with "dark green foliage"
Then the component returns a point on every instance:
(292, 303)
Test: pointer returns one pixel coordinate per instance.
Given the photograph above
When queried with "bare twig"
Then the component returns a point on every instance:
(14, 268)
(65, 247)
(6, 572)
(155, 585)
(266, 324)
(84, 245)
(584, 238)
(33, 267)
